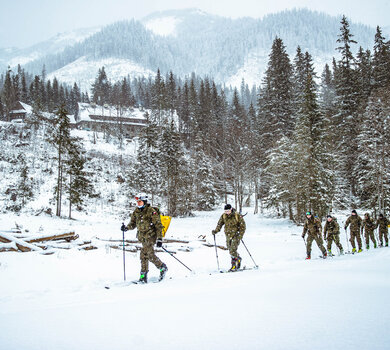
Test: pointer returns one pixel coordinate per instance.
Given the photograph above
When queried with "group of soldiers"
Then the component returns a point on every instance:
(146, 220)
(331, 233)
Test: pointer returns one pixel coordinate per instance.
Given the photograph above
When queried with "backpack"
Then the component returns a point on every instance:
(165, 220)
(236, 216)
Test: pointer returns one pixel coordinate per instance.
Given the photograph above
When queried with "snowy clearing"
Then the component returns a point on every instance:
(59, 301)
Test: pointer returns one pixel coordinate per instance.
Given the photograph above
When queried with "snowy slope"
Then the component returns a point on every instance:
(163, 26)
(59, 301)
(84, 71)
(49, 47)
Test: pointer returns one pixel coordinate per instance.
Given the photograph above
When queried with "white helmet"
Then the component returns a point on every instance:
(141, 197)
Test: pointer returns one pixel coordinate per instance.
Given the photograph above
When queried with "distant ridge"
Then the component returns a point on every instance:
(191, 40)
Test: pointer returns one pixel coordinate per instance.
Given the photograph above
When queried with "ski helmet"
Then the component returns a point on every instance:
(141, 197)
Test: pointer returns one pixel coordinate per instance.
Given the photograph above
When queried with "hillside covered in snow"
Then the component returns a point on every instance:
(189, 41)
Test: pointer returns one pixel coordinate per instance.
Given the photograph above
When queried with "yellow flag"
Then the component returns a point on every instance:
(165, 220)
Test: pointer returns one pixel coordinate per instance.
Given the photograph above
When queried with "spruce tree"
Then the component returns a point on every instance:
(60, 138)
(79, 185)
(347, 103)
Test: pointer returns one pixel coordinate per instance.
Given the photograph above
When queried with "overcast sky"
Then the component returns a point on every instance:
(26, 22)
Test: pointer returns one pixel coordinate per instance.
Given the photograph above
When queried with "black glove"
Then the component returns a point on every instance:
(124, 227)
(345, 227)
(159, 243)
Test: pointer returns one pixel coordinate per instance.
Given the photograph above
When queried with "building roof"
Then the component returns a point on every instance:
(21, 107)
(93, 113)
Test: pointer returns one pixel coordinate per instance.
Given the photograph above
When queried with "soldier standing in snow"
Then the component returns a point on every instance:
(332, 234)
(368, 227)
(313, 228)
(149, 231)
(355, 221)
(234, 231)
(383, 223)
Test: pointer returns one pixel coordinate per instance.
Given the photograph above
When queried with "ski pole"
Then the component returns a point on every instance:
(124, 263)
(346, 237)
(248, 252)
(175, 258)
(216, 251)
(376, 236)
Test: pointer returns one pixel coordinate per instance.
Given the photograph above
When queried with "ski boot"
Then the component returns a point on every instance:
(360, 250)
(367, 246)
(308, 257)
(341, 252)
(234, 264)
(353, 250)
(163, 271)
(375, 246)
(324, 255)
(330, 252)
(143, 278)
(380, 245)
(387, 244)
(238, 262)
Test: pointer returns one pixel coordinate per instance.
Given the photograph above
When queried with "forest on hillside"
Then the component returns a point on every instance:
(303, 140)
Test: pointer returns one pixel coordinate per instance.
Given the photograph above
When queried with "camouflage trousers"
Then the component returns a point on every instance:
(148, 254)
(309, 242)
(336, 239)
(232, 244)
(383, 233)
(368, 235)
(355, 234)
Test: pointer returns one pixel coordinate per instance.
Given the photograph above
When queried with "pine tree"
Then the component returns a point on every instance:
(381, 61)
(79, 185)
(24, 189)
(347, 103)
(275, 104)
(101, 88)
(60, 138)
(8, 93)
(373, 180)
(173, 166)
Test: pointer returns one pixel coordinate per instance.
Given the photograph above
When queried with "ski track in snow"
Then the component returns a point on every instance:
(59, 301)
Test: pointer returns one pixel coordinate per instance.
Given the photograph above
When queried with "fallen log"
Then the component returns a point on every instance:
(69, 236)
(212, 245)
(22, 245)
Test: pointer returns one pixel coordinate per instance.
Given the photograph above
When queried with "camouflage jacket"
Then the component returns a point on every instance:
(148, 223)
(312, 226)
(368, 225)
(383, 224)
(355, 221)
(234, 225)
(331, 227)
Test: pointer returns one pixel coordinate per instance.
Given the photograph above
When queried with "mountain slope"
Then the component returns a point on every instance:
(55, 45)
(187, 41)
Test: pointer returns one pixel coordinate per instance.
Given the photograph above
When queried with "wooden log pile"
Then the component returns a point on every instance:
(16, 241)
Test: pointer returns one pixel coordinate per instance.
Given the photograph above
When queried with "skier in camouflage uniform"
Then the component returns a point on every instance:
(383, 223)
(356, 222)
(313, 228)
(368, 227)
(234, 231)
(332, 234)
(149, 231)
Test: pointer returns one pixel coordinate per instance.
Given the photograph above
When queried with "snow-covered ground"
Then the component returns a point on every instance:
(59, 301)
